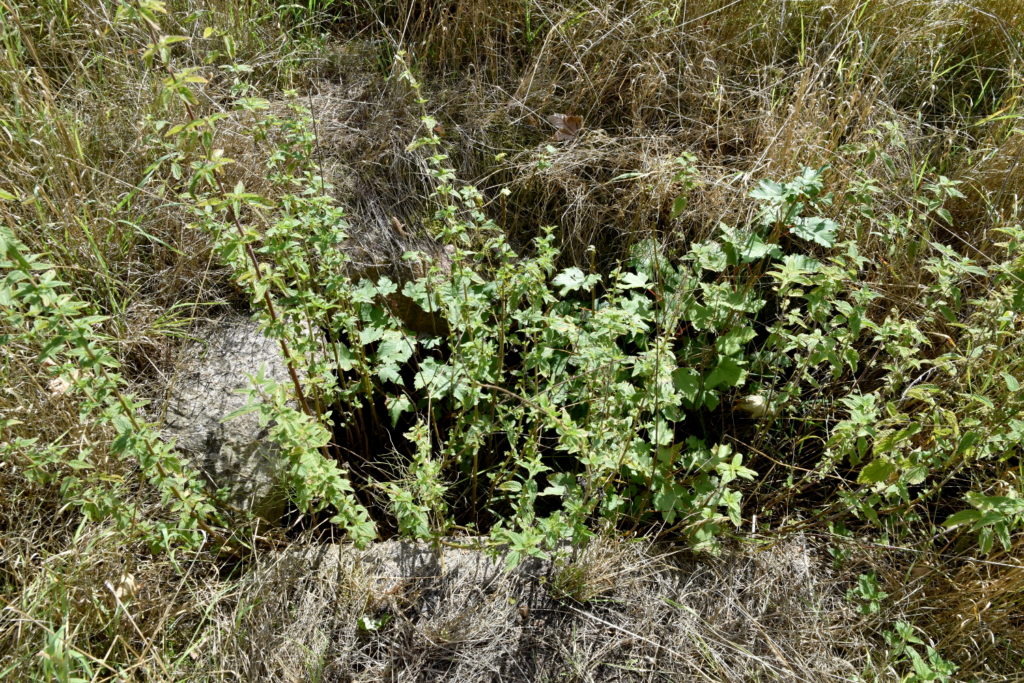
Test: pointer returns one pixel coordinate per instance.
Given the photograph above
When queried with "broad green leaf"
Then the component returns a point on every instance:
(816, 229)
(768, 190)
(796, 268)
(709, 256)
(727, 373)
(390, 372)
(731, 343)
(344, 359)
(396, 406)
(669, 496)
(572, 279)
(1011, 382)
(679, 205)
(962, 517)
(629, 280)
(385, 286)
(746, 246)
(967, 441)
(916, 475)
(371, 334)
(889, 441)
(876, 471)
(395, 348)
(365, 293)
(687, 383)
(754, 248)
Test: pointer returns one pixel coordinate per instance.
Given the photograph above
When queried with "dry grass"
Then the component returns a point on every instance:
(753, 89)
(974, 608)
(400, 611)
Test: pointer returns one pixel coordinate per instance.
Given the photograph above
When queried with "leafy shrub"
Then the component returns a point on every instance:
(44, 325)
(554, 401)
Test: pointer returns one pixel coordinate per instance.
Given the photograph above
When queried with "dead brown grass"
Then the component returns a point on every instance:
(875, 90)
(402, 611)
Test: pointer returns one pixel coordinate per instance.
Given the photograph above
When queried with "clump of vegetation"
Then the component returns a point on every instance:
(713, 273)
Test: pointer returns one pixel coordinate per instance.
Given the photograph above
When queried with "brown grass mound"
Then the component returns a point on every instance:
(879, 91)
(617, 611)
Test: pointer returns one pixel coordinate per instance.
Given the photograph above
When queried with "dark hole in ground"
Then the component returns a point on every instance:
(376, 451)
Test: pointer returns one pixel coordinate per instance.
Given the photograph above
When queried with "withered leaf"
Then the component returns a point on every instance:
(567, 126)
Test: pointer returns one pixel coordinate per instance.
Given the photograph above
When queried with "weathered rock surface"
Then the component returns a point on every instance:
(402, 610)
(209, 385)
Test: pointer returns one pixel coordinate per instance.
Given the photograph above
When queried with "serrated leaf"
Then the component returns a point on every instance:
(731, 343)
(396, 406)
(572, 279)
(365, 292)
(967, 441)
(344, 359)
(916, 475)
(395, 348)
(768, 190)
(796, 268)
(816, 229)
(629, 280)
(962, 517)
(876, 471)
(368, 335)
(755, 249)
(438, 379)
(390, 372)
(745, 246)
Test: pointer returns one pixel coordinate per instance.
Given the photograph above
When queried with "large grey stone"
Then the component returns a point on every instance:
(210, 382)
